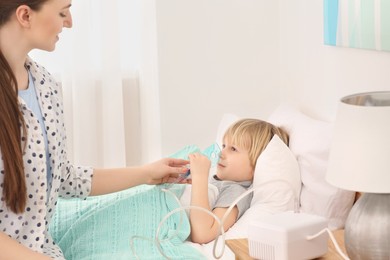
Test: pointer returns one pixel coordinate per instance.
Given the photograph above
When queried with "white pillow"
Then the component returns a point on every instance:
(277, 179)
(310, 142)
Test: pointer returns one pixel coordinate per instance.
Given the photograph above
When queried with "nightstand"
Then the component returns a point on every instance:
(240, 247)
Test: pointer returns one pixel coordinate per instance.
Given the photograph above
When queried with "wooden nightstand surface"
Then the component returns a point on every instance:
(240, 247)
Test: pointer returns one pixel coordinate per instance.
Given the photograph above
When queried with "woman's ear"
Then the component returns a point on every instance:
(23, 15)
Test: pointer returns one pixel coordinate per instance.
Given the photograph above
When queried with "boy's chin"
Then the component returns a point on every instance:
(217, 177)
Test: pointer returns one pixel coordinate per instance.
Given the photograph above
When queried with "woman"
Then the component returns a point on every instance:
(34, 170)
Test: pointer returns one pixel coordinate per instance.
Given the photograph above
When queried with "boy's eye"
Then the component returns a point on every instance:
(223, 146)
(62, 15)
(233, 149)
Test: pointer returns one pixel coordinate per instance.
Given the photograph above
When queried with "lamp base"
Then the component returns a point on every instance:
(367, 229)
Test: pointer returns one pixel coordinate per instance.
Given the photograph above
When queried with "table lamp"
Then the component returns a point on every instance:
(359, 160)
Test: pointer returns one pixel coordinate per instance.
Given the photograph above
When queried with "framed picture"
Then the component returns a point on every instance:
(357, 24)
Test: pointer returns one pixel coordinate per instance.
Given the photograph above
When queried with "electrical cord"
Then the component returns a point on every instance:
(157, 241)
(221, 222)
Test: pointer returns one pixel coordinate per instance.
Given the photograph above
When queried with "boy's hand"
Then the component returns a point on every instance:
(199, 164)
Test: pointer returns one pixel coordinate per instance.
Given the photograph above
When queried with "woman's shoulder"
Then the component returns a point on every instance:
(35, 67)
(42, 77)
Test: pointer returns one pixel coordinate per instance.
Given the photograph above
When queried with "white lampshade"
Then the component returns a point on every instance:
(359, 159)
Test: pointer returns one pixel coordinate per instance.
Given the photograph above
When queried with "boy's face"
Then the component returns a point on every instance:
(234, 163)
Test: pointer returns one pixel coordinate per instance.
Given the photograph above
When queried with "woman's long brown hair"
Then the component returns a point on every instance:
(12, 125)
(14, 186)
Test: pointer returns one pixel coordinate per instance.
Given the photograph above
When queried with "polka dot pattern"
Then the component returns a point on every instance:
(31, 227)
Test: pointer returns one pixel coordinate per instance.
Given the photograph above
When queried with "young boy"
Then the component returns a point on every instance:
(243, 142)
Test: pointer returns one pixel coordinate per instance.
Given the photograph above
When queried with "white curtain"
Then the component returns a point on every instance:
(107, 64)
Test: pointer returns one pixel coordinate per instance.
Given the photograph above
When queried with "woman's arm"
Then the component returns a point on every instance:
(11, 249)
(204, 227)
(111, 180)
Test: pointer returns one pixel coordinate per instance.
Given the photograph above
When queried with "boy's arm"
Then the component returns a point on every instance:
(204, 227)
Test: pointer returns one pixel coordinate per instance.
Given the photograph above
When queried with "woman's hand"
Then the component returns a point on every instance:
(11, 249)
(106, 181)
(165, 170)
(199, 164)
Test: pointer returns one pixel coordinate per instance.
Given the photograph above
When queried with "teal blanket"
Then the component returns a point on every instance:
(102, 227)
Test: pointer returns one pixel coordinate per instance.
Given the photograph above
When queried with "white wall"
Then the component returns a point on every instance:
(247, 56)
(315, 76)
(215, 57)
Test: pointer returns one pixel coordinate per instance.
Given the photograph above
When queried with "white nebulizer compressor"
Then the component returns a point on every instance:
(284, 236)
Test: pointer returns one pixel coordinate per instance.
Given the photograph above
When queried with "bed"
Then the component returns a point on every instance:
(104, 228)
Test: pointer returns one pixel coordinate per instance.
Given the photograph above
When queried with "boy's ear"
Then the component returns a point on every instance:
(23, 15)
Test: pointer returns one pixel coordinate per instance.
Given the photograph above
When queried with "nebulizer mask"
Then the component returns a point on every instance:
(212, 153)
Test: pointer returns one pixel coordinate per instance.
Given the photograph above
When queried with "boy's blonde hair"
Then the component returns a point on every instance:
(254, 135)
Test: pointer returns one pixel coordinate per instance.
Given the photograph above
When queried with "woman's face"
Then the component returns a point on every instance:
(48, 22)
(234, 163)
